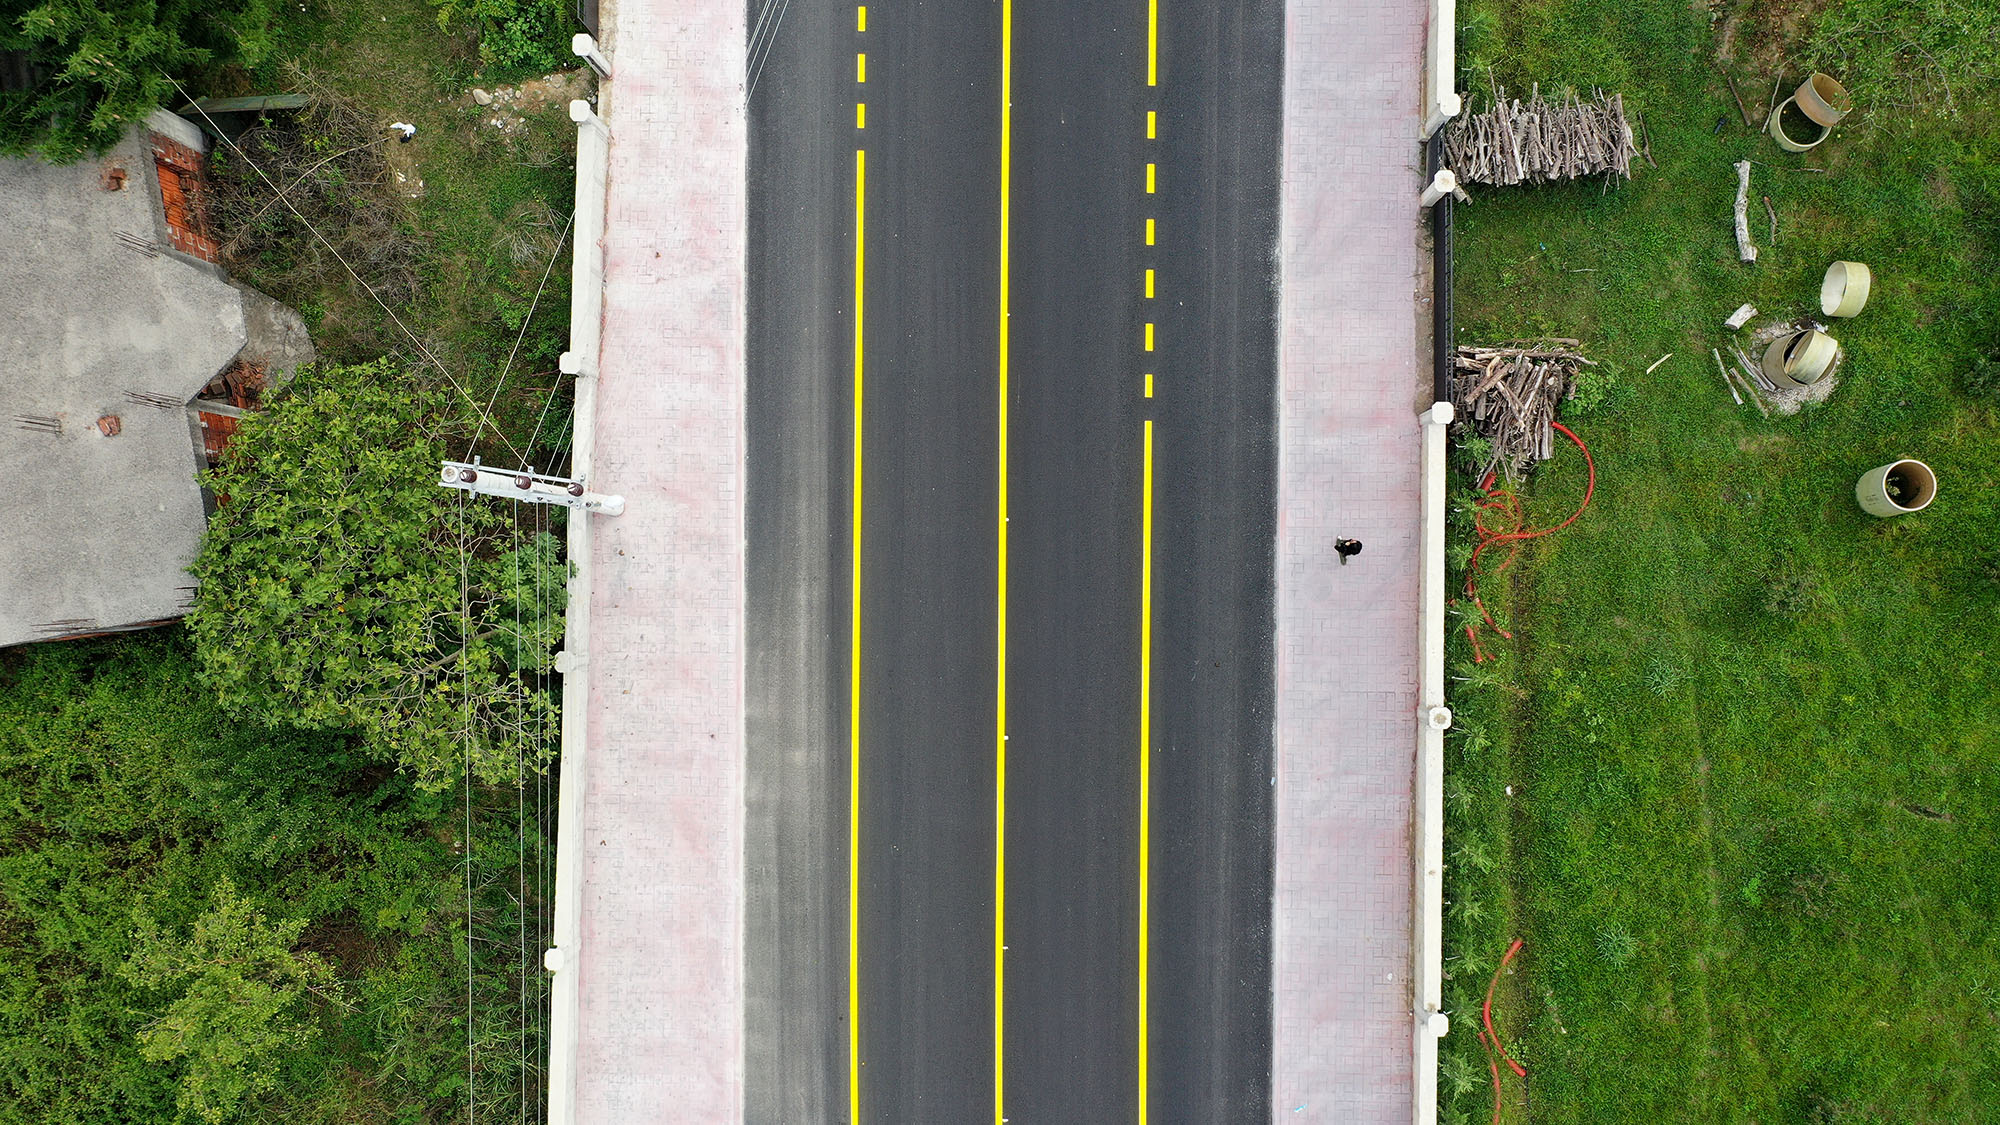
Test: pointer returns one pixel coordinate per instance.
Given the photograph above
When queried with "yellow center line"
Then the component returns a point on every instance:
(861, 18)
(861, 66)
(1000, 678)
(1149, 335)
(1149, 283)
(1152, 42)
(1145, 758)
(1149, 384)
(854, 685)
(860, 115)
(1151, 170)
(1152, 125)
(1149, 232)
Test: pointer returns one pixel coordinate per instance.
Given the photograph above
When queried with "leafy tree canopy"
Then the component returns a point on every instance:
(237, 986)
(341, 587)
(101, 65)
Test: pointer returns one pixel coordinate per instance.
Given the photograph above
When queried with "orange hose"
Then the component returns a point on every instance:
(1509, 506)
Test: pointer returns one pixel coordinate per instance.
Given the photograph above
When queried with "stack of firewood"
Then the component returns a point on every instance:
(1508, 393)
(1539, 141)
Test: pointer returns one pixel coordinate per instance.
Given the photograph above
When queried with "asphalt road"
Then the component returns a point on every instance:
(927, 871)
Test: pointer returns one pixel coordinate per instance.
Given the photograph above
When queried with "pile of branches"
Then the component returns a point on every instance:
(1539, 141)
(1507, 395)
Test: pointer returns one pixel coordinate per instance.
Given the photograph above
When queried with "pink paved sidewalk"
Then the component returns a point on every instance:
(660, 1024)
(1350, 385)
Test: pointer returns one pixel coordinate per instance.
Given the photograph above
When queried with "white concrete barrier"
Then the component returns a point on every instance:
(1427, 796)
(1441, 102)
(586, 316)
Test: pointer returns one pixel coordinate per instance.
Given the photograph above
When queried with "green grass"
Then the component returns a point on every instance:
(1753, 845)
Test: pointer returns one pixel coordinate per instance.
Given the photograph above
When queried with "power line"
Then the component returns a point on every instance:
(435, 362)
(561, 241)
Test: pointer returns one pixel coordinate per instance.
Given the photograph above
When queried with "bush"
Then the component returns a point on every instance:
(515, 35)
(102, 65)
(342, 588)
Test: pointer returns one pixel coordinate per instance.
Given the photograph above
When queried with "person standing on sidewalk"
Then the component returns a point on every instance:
(1347, 549)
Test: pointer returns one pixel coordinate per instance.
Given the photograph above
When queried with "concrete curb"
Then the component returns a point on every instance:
(586, 313)
(1427, 799)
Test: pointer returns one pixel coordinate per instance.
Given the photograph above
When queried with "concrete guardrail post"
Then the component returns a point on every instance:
(585, 48)
(1441, 102)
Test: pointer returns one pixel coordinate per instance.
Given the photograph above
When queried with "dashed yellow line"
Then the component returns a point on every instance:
(861, 67)
(1149, 384)
(1149, 335)
(854, 677)
(1152, 125)
(1151, 174)
(1149, 232)
(861, 18)
(860, 115)
(1149, 283)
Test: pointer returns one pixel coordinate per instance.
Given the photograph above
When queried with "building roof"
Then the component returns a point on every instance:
(103, 319)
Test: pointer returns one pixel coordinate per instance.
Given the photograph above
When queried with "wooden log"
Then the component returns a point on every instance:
(1744, 248)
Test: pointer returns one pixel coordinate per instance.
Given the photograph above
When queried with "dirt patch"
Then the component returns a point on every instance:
(342, 942)
(404, 178)
(1763, 444)
(1790, 398)
(507, 108)
(1769, 34)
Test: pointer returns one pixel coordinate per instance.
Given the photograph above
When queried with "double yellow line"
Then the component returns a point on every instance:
(1000, 678)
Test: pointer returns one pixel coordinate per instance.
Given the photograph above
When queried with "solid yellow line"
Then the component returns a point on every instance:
(1152, 125)
(1145, 759)
(1149, 283)
(861, 18)
(1000, 684)
(1152, 42)
(1149, 232)
(861, 67)
(1149, 178)
(854, 684)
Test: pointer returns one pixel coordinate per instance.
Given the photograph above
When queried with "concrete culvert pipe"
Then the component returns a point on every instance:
(1823, 99)
(1786, 134)
(1896, 489)
(1845, 289)
(1800, 359)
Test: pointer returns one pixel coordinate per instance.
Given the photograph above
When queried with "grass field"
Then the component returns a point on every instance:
(1752, 733)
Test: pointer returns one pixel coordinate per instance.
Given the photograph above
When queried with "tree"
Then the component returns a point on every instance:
(237, 984)
(102, 65)
(340, 586)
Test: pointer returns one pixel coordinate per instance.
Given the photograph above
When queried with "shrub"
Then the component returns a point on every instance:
(102, 65)
(342, 588)
(514, 35)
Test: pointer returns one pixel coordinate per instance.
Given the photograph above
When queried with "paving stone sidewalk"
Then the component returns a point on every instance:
(1350, 381)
